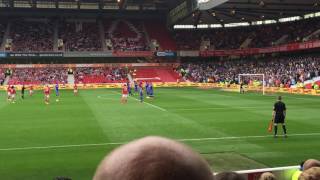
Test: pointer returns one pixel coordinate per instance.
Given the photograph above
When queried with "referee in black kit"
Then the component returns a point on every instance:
(279, 115)
(22, 91)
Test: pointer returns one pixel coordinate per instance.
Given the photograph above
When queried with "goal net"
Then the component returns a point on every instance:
(253, 81)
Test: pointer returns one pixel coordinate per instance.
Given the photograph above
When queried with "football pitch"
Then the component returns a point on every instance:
(70, 137)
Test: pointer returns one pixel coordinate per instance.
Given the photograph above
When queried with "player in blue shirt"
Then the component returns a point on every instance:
(57, 92)
(129, 89)
(135, 86)
(151, 90)
(141, 91)
(147, 89)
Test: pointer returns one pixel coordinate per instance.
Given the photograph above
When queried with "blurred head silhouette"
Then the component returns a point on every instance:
(153, 158)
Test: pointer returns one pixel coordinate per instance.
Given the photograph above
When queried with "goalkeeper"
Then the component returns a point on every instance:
(241, 88)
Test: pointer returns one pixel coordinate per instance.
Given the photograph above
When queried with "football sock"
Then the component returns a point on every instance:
(275, 130)
(284, 129)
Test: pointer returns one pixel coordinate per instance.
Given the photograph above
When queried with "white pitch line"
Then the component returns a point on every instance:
(121, 143)
(232, 107)
(60, 146)
(244, 137)
(157, 107)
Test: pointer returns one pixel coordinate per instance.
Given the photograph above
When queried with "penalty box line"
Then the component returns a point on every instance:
(154, 106)
(121, 143)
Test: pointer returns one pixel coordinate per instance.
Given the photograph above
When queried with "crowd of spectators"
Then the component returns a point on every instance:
(219, 38)
(28, 36)
(100, 75)
(3, 27)
(129, 35)
(278, 71)
(2, 76)
(260, 36)
(39, 76)
(80, 36)
(267, 35)
(126, 35)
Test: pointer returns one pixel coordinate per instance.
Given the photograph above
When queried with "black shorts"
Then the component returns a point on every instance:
(279, 119)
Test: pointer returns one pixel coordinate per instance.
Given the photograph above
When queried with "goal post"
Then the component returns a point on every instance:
(241, 77)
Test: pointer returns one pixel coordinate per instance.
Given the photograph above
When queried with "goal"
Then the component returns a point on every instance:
(257, 77)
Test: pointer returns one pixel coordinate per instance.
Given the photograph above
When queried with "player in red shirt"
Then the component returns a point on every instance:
(46, 92)
(124, 98)
(75, 90)
(13, 94)
(31, 90)
(9, 93)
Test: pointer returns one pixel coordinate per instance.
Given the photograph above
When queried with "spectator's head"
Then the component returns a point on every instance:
(229, 176)
(310, 174)
(153, 158)
(311, 163)
(267, 176)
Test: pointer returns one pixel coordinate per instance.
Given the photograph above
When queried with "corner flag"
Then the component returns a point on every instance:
(270, 126)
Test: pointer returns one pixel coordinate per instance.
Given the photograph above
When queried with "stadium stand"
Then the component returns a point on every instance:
(159, 32)
(80, 36)
(278, 71)
(126, 35)
(31, 35)
(294, 32)
(191, 40)
(38, 76)
(233, 38)
(100, 75)
(3, 26)
(2, 76)
(159, 74)
(135, 35)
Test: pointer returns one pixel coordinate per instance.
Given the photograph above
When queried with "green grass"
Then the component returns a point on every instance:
(96, 116)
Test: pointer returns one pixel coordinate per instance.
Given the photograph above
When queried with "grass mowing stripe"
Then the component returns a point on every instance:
(30, 123)
(120, 143)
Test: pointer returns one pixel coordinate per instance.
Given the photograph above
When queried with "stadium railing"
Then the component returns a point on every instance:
(283, 173)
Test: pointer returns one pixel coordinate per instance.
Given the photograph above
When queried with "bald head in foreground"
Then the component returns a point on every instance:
(153, 158)
(312, 173)
(311, 163)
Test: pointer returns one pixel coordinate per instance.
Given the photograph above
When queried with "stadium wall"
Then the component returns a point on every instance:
(166, 54)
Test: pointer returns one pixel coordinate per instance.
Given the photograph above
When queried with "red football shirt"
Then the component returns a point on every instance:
(46, 90)
(12, 91)
(125, 90)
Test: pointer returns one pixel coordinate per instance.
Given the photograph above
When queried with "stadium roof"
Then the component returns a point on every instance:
(160, 4)
(130, 5)
(235, 11)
